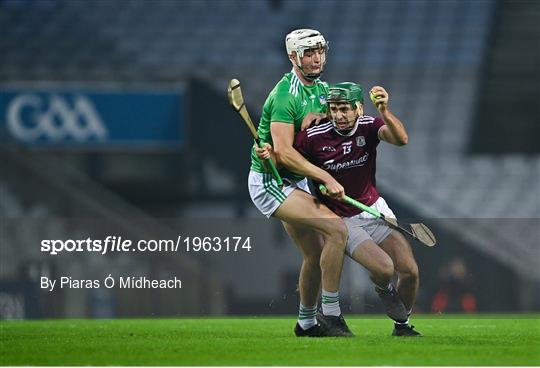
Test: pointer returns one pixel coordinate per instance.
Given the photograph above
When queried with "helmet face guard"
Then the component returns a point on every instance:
(345, 93)
(301, 40)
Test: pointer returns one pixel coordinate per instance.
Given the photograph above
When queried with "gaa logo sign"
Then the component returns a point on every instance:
(33, 117)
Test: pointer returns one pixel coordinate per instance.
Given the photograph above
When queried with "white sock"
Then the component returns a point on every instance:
(307, 316)
(330, 303)
(401, 324)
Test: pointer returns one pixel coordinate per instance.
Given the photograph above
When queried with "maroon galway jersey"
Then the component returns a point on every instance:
(349, 159)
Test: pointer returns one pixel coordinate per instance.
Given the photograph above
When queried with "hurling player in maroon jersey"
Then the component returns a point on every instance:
(345, 147)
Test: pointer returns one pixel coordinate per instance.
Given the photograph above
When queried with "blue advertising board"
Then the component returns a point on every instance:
(92, 119)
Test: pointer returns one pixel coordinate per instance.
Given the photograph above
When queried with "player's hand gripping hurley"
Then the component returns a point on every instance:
(237, 101)
(418, 231)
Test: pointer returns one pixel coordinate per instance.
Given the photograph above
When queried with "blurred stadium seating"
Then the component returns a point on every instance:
(56, 202)
(432, 56)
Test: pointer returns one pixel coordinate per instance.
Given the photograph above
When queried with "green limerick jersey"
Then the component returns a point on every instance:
(289, 102)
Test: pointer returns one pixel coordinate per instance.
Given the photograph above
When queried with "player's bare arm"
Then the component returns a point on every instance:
(283, 136)
(393, 132)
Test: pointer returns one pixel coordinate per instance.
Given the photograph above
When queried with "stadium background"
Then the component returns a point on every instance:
(114, 119)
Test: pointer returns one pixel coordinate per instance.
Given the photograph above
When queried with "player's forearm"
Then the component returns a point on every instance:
(395, 127)
(295, 162)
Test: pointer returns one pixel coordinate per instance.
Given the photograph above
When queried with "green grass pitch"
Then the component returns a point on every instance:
(449, 340)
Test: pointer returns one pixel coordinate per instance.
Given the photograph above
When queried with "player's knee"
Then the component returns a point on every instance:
(338, 233)
(410, 272)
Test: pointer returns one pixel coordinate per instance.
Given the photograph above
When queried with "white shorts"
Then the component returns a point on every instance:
(265, 193)
(364, 226)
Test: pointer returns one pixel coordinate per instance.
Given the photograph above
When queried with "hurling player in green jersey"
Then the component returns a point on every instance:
(319, 233)
(296, 102)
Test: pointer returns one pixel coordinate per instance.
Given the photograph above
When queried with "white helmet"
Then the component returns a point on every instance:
(300, 40)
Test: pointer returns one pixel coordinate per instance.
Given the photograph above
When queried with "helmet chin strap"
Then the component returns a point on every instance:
(348, 131)
(309, 76)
